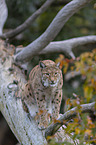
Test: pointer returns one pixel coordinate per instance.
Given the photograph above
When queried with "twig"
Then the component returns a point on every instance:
(85, 108)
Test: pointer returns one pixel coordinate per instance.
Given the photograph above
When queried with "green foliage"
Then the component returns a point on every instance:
(87, 67)
(83, 126)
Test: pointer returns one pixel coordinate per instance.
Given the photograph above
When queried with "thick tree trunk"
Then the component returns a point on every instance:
(11, 79)
(24, 129)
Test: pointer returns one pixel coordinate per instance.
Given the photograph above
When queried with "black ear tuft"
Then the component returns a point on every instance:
(58, 64)
(42, 65)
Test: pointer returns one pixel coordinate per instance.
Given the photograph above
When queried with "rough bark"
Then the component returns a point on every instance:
(25, 130)
(11, 79)
(52, 31)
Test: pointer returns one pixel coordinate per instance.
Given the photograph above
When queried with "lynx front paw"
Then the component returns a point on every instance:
(43, 125)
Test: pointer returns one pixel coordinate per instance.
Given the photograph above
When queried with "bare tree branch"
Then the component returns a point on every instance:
(85, 108)
(28, 22)
(3, 14)
(67, 45)
(11, 78)
(52, 31)
(71, 75)
(25, 129)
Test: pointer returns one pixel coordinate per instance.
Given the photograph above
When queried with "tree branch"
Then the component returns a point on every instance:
(3, 15)
(71, 75)
(52, 31)
(25, 129)
(67, 45)
(12, 80)
(28, 22)
(85, 108)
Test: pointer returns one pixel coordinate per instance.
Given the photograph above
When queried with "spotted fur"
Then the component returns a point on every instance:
(43, 92)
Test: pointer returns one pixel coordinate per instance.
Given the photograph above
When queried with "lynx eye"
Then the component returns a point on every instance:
(55, 73)
(47, 74)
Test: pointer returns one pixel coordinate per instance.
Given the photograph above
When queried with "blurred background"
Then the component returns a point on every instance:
(83, 23)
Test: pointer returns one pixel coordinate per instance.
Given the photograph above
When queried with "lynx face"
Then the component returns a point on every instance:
(50, 75)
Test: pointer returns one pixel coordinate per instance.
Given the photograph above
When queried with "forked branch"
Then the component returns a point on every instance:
(67, 45)
(52, 31)
(85, 108)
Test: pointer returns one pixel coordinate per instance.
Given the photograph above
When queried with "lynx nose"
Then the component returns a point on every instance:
(52, 82)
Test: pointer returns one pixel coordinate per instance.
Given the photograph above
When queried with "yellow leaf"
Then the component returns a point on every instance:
(76, 120)
(67, 101)
(92, 126)
(88, 131)
(72, 68)
(88, 92)
(77, 130)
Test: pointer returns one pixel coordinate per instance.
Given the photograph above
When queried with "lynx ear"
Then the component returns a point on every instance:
(42, 65)
(58, 64)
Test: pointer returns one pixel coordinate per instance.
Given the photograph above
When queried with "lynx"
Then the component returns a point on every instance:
(43, 93)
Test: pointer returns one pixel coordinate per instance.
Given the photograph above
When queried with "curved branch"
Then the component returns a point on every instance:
(52, 31)
(28, 22)
(67, 45)
(85, 108)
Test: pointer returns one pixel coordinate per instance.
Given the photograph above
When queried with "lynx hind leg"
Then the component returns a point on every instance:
(56, 105)
(43, 119)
